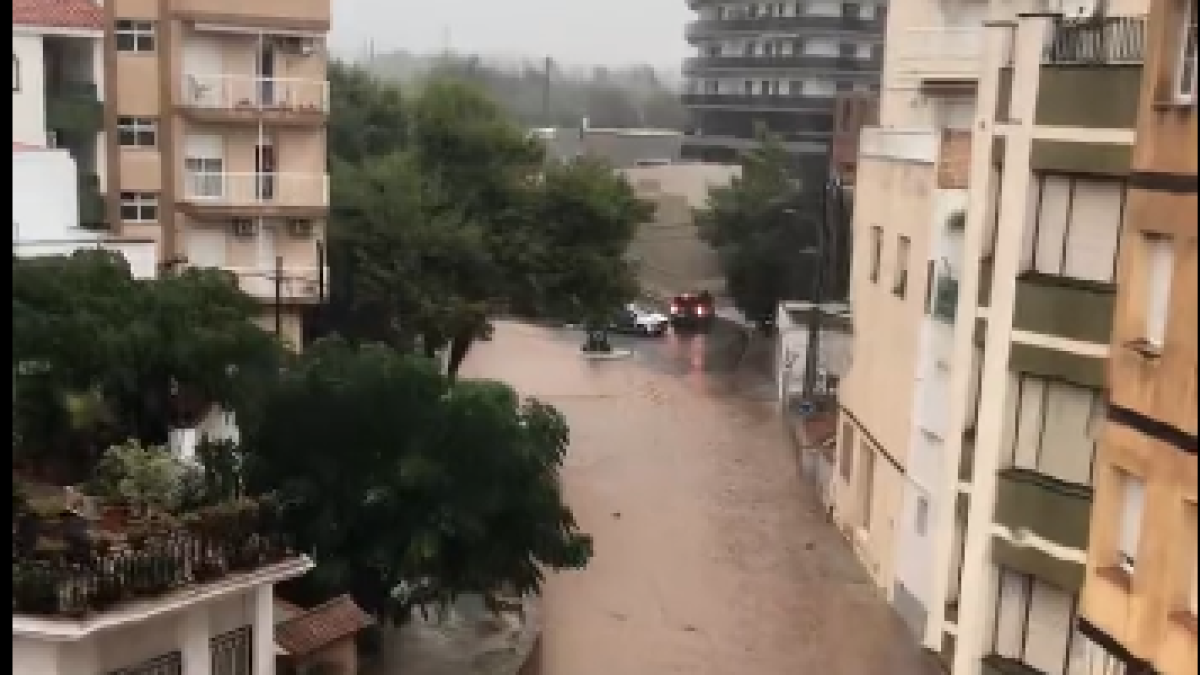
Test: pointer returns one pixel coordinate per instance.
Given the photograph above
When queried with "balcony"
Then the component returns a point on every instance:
(1089, 61)
(941, 57)
(223, 195)
(244, 98)
(1034, 506)
(92, 214)
(698, 64)
(757, 102)
(706, 28)
(298, 15)
(297, 285)
(74, 108)
(69, 566)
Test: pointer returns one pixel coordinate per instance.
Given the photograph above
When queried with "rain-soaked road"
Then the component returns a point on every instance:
(710, 556)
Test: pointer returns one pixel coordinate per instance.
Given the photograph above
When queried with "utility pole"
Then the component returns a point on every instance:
(812, 348)
(546, 94)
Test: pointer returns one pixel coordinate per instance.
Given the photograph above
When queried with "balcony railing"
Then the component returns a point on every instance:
(709, 27)
(249, 93)
(296, 284)
(781, 101)
(941, 53)
(783, 62)
(61, 568)
(214, 188)
(1113, 40)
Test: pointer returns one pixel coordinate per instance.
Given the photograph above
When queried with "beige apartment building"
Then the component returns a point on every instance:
(215, 118)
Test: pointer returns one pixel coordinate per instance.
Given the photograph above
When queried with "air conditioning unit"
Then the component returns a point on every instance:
(299, 228)
(244, 228)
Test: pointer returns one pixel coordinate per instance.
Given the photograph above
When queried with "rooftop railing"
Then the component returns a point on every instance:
(1105, 41)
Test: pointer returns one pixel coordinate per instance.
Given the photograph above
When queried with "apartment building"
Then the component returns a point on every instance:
(1139, 594)
(777, 65)
(1049, 179)
(851, 112)
(58, 97)
(910, 196)
(216, 140)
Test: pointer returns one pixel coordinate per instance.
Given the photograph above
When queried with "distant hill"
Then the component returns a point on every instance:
(637, 96)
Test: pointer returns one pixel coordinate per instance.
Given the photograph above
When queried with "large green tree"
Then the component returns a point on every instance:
(766, 227)
(412, 488)
(456, 212)
(99, 357)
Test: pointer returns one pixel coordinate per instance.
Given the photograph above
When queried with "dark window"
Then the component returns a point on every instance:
(168, 664)
(134, 35)
(876, 251)
(137, 132)
(139, 207)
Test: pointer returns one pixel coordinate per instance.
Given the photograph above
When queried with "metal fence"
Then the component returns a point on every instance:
(1109, 40)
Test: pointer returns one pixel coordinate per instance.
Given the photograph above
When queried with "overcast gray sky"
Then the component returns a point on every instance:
(602, 32)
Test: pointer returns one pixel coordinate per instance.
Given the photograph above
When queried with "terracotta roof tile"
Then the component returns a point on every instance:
(320, 626)
(58, 14)
(820, 428)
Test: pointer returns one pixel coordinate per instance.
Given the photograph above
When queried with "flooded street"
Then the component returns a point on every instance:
(711, 558)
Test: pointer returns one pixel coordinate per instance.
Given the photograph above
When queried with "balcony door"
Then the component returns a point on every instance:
(206, 247)
(266, 164)
(203, 73)
(264, 68)
(204, 166)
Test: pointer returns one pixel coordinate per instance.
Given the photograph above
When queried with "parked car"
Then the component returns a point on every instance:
(693, 310)
(639, 320)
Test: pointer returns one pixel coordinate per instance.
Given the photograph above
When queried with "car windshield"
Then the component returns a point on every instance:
(639, 309)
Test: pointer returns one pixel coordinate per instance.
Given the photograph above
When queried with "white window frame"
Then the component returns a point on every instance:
(141, 35)
(136, 130)
(1159, 268)
(205, 176)
(1186, 62)
(232, 652)
(144, 204)
(1133, 512)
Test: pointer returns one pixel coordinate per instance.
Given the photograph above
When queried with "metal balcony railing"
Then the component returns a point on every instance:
(247, 92)
(216, 188)
(1107, 41)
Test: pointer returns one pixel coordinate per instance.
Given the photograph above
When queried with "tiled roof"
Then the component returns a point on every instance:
(321, 626)
(58, 14)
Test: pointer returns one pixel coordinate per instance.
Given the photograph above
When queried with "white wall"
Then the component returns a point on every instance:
(29, 103)
(45, 218)
(45, 196)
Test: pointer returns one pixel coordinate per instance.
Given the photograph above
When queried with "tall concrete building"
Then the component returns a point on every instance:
(214, 120)
(1139, 595)
(777, 65)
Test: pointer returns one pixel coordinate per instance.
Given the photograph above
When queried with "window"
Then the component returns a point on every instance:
(1133, 500)
(1074, 225)
(16, 73)
(847, 460)
(876, 251)
(139, 207)
(900, 283)
(1185, 70)
(922, 516)
(137, 132)
(231, 652)
(134, 36)
(1051, 427)
(1159, 265)
(1034, 625)
(169, 664)
(866, 484)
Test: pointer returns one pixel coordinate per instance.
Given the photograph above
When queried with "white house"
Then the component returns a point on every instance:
(45, 219)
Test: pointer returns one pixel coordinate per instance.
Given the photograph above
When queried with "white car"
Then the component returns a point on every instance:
(634, 318)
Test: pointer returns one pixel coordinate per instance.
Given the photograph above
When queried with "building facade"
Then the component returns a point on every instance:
(1139, 594)
(1049, 180)
(215, 143)
(778, 66)
(58, 91)
(910, 194)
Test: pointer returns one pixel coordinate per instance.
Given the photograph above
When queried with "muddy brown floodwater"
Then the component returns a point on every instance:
(711, 557)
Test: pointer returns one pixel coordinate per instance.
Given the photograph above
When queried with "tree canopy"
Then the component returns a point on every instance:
(455, 212)
(765, 225)
(412, 488)
(100, 357)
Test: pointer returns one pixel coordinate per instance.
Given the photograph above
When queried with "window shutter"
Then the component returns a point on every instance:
(1010, 614)
(1049, 632)
(1066, 444)
(1132, 508)
(1053, 211)
(1094, 229)
(1159, 265)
